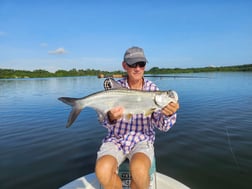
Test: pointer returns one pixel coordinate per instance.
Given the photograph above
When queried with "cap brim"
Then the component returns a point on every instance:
(131, 61)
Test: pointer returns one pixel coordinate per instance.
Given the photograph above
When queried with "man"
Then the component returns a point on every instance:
(132, 139)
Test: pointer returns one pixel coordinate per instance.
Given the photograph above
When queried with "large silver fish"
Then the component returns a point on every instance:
(133, 102)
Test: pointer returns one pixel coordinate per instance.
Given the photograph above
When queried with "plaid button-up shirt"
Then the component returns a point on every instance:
(126, 133)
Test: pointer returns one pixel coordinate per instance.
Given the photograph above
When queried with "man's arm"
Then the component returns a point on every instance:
(166, 118)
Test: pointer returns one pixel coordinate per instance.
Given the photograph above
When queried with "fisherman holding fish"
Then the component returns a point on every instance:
(132, 138)
(130, 110)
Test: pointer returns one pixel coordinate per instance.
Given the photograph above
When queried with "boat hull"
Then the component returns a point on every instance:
(90, 181)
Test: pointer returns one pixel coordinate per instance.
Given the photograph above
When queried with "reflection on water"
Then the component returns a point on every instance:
(209, 147)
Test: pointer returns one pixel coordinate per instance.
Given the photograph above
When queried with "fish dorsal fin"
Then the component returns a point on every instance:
(110, 83)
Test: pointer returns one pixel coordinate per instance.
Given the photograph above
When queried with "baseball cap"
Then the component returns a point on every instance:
(134, 55)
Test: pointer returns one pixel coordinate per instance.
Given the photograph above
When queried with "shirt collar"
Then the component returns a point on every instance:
(126, 85)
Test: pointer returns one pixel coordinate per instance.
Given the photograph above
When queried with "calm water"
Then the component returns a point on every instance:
(209, 147)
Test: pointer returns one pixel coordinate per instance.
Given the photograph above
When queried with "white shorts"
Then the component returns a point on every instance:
(109, 148)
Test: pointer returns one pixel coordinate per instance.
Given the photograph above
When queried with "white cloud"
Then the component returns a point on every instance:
(58, 51)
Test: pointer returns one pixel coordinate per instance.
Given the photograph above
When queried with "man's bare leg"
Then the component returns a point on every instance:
(140, 166)
(105, 171)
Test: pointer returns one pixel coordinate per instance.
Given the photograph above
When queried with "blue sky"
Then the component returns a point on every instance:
(92, 34)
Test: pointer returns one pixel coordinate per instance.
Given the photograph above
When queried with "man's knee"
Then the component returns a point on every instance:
(105, 167)
(140, 165)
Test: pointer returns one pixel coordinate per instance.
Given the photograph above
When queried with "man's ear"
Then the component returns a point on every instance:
(124, 66)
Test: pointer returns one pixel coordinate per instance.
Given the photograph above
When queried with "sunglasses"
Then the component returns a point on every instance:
(140, 64)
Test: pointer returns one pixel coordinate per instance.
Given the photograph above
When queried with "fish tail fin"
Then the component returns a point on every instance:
(72, 116)
(76, 109)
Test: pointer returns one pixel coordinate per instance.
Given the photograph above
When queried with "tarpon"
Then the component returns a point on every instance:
(133, 102)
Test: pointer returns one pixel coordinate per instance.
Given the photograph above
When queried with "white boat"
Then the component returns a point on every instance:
(158, 180)
(90, 181)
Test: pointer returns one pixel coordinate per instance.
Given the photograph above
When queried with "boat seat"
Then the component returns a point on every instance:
(124, 174)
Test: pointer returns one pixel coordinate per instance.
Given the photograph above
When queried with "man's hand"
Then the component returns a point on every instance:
(170, 108)
(115, 113)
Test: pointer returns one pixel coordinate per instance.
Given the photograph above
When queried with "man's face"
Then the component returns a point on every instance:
(135, 71)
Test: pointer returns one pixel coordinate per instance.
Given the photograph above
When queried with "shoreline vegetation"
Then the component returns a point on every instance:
(11, 73)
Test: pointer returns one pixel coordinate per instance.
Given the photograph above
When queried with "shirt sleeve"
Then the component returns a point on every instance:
(163, 122)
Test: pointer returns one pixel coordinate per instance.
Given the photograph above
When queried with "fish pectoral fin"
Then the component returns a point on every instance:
(150, 111)
(100, 115)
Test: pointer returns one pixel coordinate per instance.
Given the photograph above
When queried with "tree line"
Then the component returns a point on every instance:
(237, 68)
(11, 73)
